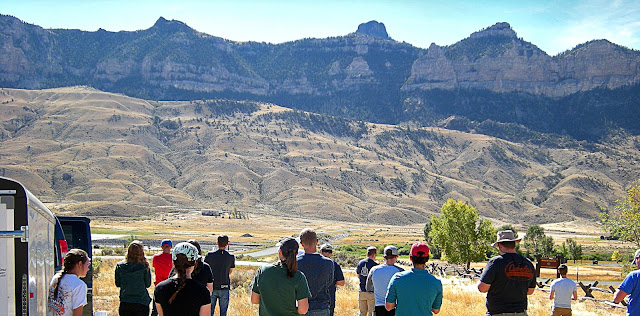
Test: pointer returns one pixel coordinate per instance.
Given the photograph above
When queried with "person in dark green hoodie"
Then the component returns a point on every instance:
(133, 277)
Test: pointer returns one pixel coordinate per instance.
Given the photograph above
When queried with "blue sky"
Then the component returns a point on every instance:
(554, 26)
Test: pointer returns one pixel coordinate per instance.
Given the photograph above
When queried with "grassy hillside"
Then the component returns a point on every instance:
(100, 153)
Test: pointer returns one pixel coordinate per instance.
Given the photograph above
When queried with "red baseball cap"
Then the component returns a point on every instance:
(419, 249)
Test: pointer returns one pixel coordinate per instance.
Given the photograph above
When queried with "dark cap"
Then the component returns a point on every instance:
(326, 247)
(288, 245)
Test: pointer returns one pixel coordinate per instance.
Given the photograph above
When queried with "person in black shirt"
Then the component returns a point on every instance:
(508, 278)
(222, 264)
(180, 295)
(202, 271)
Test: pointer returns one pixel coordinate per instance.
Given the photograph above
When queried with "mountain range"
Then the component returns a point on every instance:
(374, 128)
(491, 75)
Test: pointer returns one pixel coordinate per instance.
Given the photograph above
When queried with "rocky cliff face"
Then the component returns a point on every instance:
(496, 59)
(171, 55)
(364, 75)
(373, 29)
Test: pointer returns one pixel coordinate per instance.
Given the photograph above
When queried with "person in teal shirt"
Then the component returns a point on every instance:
(280, 288)
(133, 277)
(415, 292)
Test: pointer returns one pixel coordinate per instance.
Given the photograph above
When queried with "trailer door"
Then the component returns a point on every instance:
(13, 249)
(77, 233)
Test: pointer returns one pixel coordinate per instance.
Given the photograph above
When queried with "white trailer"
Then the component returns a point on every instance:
(32, 246)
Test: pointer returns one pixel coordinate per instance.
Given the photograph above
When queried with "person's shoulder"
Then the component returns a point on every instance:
(403, 273)
(635, 275)
(376, 268)
(73, 280)
(166, 283)
(201, 288)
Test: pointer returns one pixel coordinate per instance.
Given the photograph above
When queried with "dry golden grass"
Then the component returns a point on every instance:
(460, 297)
(122, 161)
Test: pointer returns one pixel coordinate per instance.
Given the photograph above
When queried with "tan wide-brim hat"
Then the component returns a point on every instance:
(505, 235)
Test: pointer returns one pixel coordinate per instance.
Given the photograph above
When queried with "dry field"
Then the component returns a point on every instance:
(460, 298)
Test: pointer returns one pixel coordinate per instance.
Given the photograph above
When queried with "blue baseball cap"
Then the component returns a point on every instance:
(166, 242)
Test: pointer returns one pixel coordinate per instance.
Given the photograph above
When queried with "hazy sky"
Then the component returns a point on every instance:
(554, 26)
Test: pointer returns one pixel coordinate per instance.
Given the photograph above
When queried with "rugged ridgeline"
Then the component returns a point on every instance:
(100, 153)
(491, 77)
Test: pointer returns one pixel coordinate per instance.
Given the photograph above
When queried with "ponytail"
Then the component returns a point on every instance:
(291, 263)
(181, 267)
(71, 259)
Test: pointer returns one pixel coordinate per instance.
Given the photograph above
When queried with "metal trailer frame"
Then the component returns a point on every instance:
(27, 250)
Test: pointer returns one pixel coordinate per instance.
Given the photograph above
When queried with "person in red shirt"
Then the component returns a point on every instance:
(162, 262)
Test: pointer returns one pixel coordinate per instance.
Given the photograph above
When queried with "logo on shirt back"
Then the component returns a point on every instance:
(365, 271)
(518, 272)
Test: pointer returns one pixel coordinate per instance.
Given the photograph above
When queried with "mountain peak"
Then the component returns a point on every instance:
(373, 29)
(501, 28)
(171, 26)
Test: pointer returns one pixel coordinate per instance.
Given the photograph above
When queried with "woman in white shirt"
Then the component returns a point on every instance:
(67, 293)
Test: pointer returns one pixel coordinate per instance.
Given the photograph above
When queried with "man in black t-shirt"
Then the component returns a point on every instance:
(222, 264)
(508, 278)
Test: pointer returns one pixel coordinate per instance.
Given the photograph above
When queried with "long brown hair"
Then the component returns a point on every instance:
(135, 253)
(70, 261)
(289, 249)
(291, 263)
(181, 264)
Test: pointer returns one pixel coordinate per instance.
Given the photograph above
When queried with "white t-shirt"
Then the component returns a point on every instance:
(563, 288)
(72, 293)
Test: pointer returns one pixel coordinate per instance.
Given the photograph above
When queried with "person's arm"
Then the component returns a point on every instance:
(435, 311)
(210, 287)
(484, 287)
(159, 309)
(339, 276)
(255, 298)
(487, 277)
(552, 294)
(531, 290)
(619, 296)
(117, 276)
(303, 306)
(389, 306)
(78, 311)
(369, 285)
(575, 295)
(147, 278)
(205, 310)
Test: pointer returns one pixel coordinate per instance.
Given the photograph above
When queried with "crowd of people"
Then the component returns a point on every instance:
(304, 283)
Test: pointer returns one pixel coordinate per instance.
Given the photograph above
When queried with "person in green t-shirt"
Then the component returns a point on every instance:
(280, 288)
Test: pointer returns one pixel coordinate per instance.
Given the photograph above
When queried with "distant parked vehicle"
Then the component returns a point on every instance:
(33, 242)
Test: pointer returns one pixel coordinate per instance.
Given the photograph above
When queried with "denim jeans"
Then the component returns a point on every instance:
(318, 312)
(223, 297)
